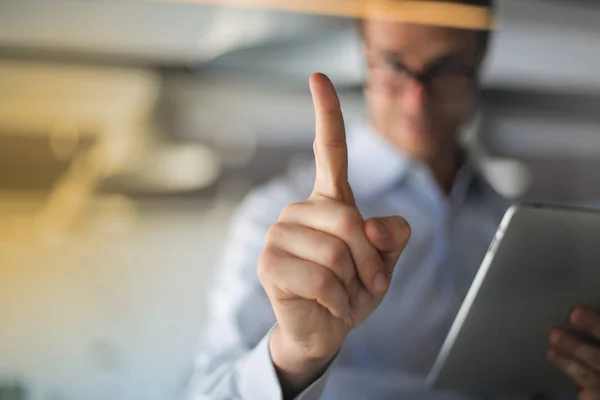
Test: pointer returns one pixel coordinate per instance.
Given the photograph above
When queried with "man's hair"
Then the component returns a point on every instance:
(484, 34)
(482, 3)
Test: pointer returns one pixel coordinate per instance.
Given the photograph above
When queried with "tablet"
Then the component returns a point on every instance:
(542, 261)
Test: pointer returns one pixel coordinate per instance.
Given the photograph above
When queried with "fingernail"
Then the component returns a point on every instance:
(381, 282)
(383, 228)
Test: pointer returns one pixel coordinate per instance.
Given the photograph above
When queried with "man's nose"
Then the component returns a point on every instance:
(415, 95)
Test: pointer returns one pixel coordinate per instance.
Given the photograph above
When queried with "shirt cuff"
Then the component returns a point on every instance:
(257, 378)
(314, 391)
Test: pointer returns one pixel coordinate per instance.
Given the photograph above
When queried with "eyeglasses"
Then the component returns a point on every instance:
(441, 80)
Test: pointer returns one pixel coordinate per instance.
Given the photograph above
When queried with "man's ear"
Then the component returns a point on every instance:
(472, 123)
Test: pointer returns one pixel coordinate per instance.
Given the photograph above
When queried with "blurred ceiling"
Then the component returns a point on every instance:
(540, 44)
(253, 64)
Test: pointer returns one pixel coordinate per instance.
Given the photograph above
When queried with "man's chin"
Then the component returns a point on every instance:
(425, 155)
(424, 149)
(422, 144)
(424, 132)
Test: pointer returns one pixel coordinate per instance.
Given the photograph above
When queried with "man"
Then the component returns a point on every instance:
(335, 312)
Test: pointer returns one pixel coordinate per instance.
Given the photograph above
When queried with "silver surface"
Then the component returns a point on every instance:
(542, 262)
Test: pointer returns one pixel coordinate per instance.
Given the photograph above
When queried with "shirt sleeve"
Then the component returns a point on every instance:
(258, 379)
(234, 361)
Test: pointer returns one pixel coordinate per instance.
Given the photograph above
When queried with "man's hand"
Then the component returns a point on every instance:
(324, 268)
(578, 359)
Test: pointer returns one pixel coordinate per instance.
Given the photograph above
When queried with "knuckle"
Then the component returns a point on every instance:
(266, 263)
(337, 142)
(348, 220)
(274, 233)
(335, 254)
(289, 211)
(323, 283)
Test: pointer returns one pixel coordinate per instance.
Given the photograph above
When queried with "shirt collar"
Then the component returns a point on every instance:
(375, 165)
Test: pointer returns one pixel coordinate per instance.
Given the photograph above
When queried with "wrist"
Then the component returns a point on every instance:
(297, 366)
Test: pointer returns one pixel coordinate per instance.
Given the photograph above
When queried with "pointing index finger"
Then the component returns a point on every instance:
(331, 152)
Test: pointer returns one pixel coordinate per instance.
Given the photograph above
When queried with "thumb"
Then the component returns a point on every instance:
(389, 235)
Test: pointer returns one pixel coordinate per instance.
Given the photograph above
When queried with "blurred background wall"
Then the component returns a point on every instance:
(129, 132)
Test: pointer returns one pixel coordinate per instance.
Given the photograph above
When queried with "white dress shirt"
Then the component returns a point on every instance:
(391, 353)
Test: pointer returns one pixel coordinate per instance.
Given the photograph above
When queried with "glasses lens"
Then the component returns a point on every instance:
(451, 84)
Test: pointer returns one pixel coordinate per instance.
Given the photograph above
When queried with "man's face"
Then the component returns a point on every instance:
(421, 118)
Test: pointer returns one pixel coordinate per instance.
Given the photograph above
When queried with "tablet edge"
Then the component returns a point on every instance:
(471, 295)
